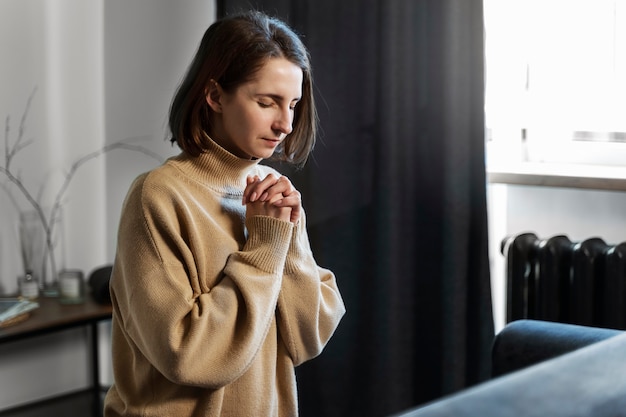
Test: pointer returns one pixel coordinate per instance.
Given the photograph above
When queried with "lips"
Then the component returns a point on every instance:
(274, 141)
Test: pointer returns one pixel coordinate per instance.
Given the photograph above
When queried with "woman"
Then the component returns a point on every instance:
(216, 294)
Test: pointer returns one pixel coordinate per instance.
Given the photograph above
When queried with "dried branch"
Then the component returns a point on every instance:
(20, 186)
(56, 206)
(10, 152)
(7, 190)
(48, 222)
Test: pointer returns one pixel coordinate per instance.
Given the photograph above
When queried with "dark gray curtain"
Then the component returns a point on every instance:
(396, 199)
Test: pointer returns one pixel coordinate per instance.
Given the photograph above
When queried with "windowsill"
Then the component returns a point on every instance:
(593, 177)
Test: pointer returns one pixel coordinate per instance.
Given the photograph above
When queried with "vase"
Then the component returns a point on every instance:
(42, 248)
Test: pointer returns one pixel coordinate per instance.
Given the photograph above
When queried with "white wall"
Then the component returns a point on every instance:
(105, 71)
(43, 48)
(548, 211)
(148, 46)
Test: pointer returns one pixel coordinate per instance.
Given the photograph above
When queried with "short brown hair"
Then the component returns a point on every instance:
(231, 52)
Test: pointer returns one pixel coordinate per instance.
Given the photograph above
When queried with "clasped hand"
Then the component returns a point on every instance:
(272, 196)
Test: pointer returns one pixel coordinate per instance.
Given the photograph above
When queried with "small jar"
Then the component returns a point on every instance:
(71, 286)
(28, 286)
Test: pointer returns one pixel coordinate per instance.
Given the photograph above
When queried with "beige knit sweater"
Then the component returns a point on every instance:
(212, 313)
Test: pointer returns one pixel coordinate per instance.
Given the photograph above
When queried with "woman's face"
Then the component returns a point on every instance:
(252, 121)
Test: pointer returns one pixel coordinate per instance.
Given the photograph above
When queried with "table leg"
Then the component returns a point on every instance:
(95, 370)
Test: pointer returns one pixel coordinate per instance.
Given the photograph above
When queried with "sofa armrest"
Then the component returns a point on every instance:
(527, 342)
(588, 382)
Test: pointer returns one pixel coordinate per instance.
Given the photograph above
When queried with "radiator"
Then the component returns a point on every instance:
(557, 279)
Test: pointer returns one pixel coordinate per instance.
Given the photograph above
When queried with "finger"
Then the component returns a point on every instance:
(246, 191)
(294, 216)
(271, 186)
(259, 187)
(250, 181)
(288, 186)
(294, 211)
(259, 208)
(268, 183)
(282, 187)
(293, 201)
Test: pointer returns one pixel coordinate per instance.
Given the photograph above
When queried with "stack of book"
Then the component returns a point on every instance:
(15, 310)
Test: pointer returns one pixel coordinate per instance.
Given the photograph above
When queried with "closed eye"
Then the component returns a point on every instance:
(269, 100)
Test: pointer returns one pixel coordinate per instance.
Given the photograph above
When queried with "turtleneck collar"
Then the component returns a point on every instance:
(217, 166)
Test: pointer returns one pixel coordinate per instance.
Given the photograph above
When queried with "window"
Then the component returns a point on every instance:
(556, 81)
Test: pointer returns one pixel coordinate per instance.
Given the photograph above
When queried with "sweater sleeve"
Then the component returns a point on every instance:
(194, 336)
(310, 305)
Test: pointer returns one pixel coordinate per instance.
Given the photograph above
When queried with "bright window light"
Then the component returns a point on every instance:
(556, 80)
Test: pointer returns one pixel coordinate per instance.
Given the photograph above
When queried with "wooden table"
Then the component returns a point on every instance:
(52, 316)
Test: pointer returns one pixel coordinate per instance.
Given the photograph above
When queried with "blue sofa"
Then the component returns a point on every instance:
(545, 369)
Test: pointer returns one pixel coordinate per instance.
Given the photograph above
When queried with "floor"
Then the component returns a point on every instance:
(72, 405)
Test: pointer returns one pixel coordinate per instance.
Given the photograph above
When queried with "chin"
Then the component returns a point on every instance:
(262, 155)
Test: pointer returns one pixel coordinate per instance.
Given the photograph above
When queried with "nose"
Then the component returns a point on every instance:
(284, 121)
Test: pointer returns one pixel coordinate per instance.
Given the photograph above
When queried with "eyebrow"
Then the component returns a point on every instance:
(277, 97)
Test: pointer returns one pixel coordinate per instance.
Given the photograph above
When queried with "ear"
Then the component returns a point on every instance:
(213, 95)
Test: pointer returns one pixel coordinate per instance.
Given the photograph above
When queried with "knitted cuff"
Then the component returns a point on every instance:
(268, 242)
